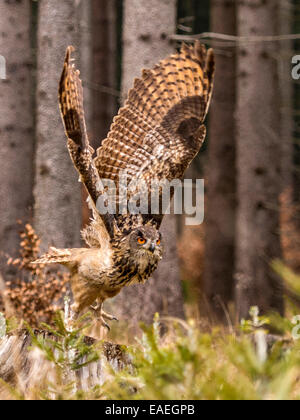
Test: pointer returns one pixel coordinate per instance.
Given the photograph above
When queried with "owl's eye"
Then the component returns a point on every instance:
(158, 242)
(141, 241)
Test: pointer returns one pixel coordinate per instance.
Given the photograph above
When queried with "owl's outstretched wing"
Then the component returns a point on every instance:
(155, 136)
(72, 112)
(160, 130)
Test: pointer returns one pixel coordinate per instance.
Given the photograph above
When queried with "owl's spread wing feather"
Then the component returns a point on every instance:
(72, 112)
(160, 129)
(155, 136)
(71, 103)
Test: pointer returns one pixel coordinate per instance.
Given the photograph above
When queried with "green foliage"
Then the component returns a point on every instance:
(65, 350)
(183, 363)
(175, 360)
(67, 347)
(188, 364)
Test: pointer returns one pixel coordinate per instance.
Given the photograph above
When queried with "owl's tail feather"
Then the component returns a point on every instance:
(55, 256)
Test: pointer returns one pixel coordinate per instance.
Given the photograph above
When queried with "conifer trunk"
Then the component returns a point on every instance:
(16, 126)
(104, 78)
(259, 153)
(57, 212)
(220, 174)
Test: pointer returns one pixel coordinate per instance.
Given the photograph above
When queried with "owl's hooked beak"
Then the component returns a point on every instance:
(152, 247)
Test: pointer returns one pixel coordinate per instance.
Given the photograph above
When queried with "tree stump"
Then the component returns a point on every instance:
(25, 366)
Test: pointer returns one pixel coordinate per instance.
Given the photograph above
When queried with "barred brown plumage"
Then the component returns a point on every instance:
(155, 135)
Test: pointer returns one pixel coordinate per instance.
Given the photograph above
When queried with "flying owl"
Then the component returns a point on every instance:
(156, 135)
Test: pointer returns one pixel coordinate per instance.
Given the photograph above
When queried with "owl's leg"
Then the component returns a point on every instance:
(109, 317)
(101, 315)
(97, 309)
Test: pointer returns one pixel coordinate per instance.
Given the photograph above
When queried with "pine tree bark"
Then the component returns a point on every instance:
(220, 171)
(104, 77)
(16, 125)
(100, 90)
(86, 73)
(286, 96)
(258, 162)
(289, 222)
(147, 26)
(86, 59)
(57, 212)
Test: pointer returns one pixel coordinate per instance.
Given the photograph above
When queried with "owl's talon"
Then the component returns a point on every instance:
(101, 315)
(104, 324)
(109, 316)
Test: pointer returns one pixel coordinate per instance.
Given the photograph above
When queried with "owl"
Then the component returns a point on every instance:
(155, 136)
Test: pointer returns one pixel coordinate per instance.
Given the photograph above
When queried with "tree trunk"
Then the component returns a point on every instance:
(104, 76)
(289, 228)
(16, 125)
(286, 94)
(258, 162)
(100, 93)
(146, 29)
(57, 213)
(220, 171)
(86, 74)
(86, 59)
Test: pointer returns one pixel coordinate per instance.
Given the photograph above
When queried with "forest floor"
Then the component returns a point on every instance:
(169, 360)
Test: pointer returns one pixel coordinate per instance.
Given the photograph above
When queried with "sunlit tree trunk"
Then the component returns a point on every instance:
(259, 153)
(145, 37)
(220, 174)
(289, 231)
(57, 212)
(16, 125)
(286, 92)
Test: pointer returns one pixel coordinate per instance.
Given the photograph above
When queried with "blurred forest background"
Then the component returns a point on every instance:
(250, 161)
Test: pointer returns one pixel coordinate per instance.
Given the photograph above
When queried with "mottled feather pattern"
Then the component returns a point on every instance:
(71, 103)
(55, 256)
(72, 112)
(159, 130)
(155, 136)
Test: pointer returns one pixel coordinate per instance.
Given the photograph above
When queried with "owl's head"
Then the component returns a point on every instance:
(145, 241)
